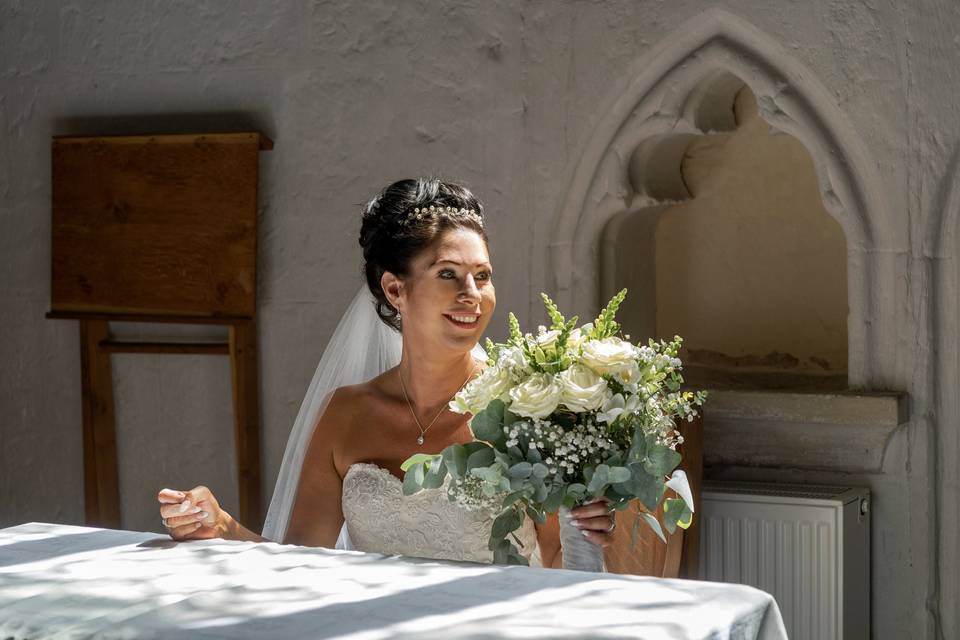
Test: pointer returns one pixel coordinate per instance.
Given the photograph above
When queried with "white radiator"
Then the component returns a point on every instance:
(807, 545)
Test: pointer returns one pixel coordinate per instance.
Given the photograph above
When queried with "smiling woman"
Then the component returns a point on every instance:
(429, 278)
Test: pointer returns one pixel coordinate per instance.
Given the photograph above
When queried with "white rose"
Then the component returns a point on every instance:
(583, 390)
(547, 339)
(493, 383)
(574, 340)
(609, 356)
(537, 397)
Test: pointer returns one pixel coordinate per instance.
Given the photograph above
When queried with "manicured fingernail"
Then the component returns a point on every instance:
(184, 505)
(203, 514)
(196, 525)
(585, 533)
(576, 523)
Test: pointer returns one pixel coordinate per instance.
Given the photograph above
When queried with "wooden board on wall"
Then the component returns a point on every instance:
(155, 225)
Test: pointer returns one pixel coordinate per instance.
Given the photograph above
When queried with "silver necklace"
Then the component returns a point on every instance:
(414, 413)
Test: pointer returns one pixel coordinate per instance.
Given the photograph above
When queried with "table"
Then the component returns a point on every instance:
(77, 582)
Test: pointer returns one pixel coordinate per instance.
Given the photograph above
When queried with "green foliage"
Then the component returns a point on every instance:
(606, 325)
(516, 336)
(488, 424)
(676, 513)
(660, 460)
(652, 522)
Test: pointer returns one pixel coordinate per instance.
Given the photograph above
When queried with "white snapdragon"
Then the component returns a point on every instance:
(583, 390)
(537, 396)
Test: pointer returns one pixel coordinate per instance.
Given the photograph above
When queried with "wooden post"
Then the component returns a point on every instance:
(100, 486)
(692, 464)
(246, 415)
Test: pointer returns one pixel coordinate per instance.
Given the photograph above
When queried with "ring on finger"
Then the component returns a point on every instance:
(613, 525)
(164, 521)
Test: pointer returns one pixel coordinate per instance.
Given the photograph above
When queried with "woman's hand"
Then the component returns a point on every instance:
(193, 514)
(596, 521)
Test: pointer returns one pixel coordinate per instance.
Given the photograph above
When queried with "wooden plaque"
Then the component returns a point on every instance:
(159, 225)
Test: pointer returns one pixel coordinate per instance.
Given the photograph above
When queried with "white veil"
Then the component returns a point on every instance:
(362, 347)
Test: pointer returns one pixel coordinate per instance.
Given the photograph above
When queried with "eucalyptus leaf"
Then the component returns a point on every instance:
(661, 460)
(417, 458)
(676, 513)
(533, 455)
(536, 514)
(541, 493)
(507, 522)
(521, 470)
(651, 522)
(619, 474)
(554, 500)
(481, 458)
(437, 474)
(455, 457)
(411, 483)
(513, 497)
(647, 488)
(599, 479)
(488, 424)
(540, 470)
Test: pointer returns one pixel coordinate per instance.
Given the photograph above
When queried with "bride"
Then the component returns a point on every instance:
(428, 271)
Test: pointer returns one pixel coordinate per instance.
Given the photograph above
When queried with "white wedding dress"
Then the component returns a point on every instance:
(379, 518)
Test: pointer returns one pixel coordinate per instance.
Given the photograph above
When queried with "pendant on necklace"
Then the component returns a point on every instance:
(420, 439)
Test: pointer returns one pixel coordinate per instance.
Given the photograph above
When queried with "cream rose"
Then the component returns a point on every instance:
(547, 339)
(493, 383)
(609, 356)
(537, 397)
(583, 390)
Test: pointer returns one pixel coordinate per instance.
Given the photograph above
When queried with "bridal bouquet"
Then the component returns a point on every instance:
(563, 417)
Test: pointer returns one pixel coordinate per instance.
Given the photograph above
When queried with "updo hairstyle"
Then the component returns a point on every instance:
(392, 234)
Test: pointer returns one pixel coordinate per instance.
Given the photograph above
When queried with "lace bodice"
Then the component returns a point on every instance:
(379, 518)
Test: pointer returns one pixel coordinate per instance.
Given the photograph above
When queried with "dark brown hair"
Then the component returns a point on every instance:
(391, 238)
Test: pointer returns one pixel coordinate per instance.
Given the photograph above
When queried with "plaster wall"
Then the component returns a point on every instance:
(752, 265)
(502, 95)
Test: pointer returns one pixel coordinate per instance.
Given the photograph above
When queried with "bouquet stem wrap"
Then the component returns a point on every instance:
(579, 553)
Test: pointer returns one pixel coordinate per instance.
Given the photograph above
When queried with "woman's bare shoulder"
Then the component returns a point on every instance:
(348, 401)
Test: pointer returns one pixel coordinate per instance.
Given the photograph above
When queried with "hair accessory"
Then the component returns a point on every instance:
(419, 214)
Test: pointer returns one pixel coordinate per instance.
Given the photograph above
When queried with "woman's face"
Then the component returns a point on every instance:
(448, 297)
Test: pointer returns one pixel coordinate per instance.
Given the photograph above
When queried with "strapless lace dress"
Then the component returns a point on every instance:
(379, 518)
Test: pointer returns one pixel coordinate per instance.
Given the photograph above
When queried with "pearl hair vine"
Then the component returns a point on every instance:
(428, 213)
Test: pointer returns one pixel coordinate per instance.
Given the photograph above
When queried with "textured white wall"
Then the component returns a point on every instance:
(503, 95)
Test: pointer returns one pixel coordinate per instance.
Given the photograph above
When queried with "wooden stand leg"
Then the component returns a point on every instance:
(692, 449)
(100, 485)
(246, 411)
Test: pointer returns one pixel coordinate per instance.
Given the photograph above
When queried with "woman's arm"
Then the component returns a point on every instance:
(196, 515)
(317, 516)
(317, 512)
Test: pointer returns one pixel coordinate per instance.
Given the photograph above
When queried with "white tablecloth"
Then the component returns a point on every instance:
(59, 581)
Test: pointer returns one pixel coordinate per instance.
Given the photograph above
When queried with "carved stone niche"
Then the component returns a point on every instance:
(727, 240)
